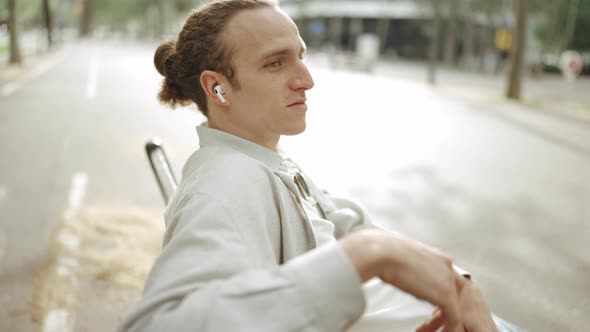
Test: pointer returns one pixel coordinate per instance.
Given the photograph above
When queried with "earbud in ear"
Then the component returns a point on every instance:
(219, 93)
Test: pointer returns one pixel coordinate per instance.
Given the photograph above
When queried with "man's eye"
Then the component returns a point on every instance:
(274, 64)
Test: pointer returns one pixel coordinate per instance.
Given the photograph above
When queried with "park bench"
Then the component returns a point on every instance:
(161, 168)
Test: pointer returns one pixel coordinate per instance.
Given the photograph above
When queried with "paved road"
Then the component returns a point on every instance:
(89, 110)
(503, 189)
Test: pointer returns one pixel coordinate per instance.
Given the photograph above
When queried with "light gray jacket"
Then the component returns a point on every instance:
(237, 252)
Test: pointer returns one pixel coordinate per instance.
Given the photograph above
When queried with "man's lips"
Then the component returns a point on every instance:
(299, 102)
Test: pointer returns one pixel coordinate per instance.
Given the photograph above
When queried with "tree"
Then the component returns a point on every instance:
(48, 21)
(86, 17)
(468, 44)
(562, 24)
(460, 29)
(451, 33)
(15, 54)
(435, 42)
(149, 17)
(518, 49)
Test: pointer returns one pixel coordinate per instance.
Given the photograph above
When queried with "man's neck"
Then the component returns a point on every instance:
(267, 142)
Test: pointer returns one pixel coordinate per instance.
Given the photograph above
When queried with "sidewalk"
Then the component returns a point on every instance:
(13, 76)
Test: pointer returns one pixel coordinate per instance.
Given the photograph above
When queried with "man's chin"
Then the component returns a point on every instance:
(295, 130)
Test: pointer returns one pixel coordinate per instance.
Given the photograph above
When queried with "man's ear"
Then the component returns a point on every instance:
(209, 80)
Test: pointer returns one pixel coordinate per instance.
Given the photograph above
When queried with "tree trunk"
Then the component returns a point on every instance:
(434, 42)
(48, 21)
(451, 36)
(86, 18)
(15, 55)
(468, 35)
(517, 51)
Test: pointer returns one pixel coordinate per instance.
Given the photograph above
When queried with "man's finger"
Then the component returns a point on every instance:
(452, 315)
(435, 322)
(459, 328)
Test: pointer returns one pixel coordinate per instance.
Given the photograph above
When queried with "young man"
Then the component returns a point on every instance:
(252, 244)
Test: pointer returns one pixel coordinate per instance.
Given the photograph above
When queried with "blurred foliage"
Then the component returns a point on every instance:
(143, 17)
(549, 18)
(554, 15)
(29, 11)
(581, 39)
(157, 17)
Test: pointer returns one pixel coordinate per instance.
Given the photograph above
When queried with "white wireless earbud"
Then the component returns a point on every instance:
(219, 93)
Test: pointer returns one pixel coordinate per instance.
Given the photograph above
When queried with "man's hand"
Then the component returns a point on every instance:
(409, 265)
(474, 311)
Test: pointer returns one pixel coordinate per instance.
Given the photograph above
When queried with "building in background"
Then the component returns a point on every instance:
(403, 28)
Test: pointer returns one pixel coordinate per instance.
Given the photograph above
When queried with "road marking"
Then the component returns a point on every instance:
(11, 87)
(92, 77)
(3, 193)
(77, 191)
(62, 319)
(2, 245)
(58, 320)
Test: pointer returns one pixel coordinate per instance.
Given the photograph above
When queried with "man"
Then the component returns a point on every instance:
(253, 245)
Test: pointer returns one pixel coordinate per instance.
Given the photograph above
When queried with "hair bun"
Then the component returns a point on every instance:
(164, 58)
(171, 93)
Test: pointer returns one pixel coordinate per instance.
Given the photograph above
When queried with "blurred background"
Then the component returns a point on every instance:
(463, 123)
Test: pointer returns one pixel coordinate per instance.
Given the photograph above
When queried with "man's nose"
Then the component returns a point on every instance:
(302, 79)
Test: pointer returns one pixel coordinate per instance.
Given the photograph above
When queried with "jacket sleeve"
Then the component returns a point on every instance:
(347, 215)
(208, 279)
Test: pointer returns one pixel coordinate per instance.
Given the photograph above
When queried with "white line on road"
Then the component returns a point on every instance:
(2, 245)
(62, 319)
(77, 191)
(3, 193)
(11, 87)
(92, 77)
(58, 320)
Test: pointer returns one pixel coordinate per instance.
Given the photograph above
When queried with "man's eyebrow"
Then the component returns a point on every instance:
(302, 49)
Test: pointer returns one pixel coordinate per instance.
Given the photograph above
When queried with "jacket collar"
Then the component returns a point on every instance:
(209, 137)
(213, 137)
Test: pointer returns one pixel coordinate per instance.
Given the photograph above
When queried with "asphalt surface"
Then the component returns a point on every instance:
(502, 188)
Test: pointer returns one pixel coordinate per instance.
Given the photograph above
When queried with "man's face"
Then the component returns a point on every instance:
(272, 78)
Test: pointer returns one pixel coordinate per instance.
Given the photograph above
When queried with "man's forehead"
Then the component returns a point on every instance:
(258, 31)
